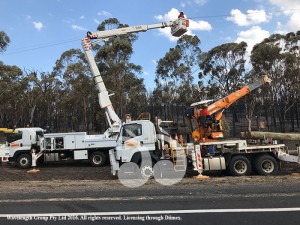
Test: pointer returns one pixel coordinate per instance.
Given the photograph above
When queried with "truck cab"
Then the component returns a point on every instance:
(135, 137)
(140, 146)
(20, 144)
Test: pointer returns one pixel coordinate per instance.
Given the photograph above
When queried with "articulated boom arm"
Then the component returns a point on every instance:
(178, 27)
(233, 97)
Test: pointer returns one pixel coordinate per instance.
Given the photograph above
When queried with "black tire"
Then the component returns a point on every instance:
(97, 159)
(240, 166)
(24, 161)
(266, 165)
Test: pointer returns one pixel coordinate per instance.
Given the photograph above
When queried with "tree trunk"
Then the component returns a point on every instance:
(297, 115)
(267, 119)
(282, 122)
(274, 119)
(249, 124)
(233, 121)
(31, 115)
(84, 127)
(292, 119)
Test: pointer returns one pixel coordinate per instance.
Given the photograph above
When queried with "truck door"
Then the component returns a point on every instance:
(148, 136)
(132, 135)
(40, 140)
(129, 141)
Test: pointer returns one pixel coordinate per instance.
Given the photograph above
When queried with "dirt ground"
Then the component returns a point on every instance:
(83, 171)
(56, 171)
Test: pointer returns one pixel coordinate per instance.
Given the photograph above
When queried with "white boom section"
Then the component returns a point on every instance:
(178, 27)
(103, 96)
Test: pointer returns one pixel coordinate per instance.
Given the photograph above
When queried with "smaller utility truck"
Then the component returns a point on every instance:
(56, 146)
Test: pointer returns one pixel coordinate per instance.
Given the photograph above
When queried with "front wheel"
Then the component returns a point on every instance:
(266, 165)
(24, 161)
(240, 166)
(97, 159)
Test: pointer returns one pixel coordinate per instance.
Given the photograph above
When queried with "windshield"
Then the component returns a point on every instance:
(13, 137)
(131, 131)
(39, 134)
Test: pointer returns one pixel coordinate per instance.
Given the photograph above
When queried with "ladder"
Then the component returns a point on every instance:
(178, 156)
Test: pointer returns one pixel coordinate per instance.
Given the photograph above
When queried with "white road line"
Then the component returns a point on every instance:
(67, 199)
(160, 212)
(138, 198)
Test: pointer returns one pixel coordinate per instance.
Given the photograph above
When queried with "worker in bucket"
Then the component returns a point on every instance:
(181, 15)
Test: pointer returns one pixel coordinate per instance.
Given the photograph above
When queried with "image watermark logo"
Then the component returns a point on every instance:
(162, 159)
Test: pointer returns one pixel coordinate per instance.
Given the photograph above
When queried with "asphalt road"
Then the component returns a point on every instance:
(217, 201)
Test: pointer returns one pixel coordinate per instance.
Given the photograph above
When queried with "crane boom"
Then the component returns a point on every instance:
(233, 97)
(178, 27)
(209, 129)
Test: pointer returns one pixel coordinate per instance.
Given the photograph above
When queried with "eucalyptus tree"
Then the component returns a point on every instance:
(278, 56)
(255, 104)
(11, 89)
(175, 75)
(4, 41)
(223, 67)
(41, 98)
(11, 95)
(292, 46)
(79, 94)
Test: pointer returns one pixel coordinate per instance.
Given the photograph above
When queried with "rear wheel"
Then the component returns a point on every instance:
(24, 161)
(266, 165)
(240, 166)
(97, 159)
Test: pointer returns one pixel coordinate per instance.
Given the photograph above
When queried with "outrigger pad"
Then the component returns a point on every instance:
(201, 177)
